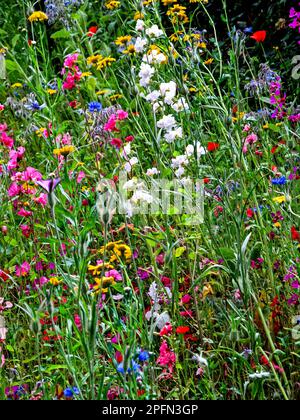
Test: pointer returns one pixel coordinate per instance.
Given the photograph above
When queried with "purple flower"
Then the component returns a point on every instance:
(293, 300)
(49, 185)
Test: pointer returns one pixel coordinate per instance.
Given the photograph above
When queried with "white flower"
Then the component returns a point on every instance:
(127, 167)
(154, 32)
(142, 196)
(189, 151)
(152, 172)
(145, 74)
(168, 91)
(154, 57)
(126, 150)
(153, 96)
(133, 161)
(130, 185)
(259, 375)
(200, 360)
(200, 150)
(180, 171)
(171, 135)
(180, 105)
(162, 320)
(179, 161)
(167, 122)
(157, 105)
(140, 44)
(140, 25)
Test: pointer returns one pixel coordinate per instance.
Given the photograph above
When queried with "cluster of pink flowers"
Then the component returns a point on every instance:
(3, 330)
(295, 16)
(167, 357)
(72, 70)
(277, 99)
(251, 138)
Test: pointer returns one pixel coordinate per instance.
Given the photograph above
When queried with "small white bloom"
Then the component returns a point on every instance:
(153, 96)
(259, 375)
(168, 91)
(180, 171)
(180, 105)
(152, 172)
(140, 44)
(154, 32)
(133, 161)
(140, 25)
(172, 135)
(190, 150)
(167, 122)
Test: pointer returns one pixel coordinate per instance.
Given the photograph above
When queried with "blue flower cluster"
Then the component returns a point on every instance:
(57, 10)
(95, 106)
(134, 366)
(279, 181)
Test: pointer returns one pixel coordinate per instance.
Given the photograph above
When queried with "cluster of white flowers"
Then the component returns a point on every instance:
(139, 196)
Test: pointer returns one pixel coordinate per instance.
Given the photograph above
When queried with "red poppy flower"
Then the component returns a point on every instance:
(295, 234)
(92, 31)
(259, 36)
(206, 180)
(250, 213)
(182, 330)
(211, 147)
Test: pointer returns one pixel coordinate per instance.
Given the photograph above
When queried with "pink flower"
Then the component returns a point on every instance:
(4, 305)
(31, 174)
(122, 115)
(167, 358)
(71, 60)
(111, 123)
(2, 107)
(42, 199)
(6, 140)
(13, 190)
(25, 230)
(22, 270)
(186, 299)
(167, 330)
(80, 177)
(24, 213)
(115, 274)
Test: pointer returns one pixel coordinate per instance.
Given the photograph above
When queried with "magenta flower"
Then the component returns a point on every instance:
(23, 269)
(167, 358)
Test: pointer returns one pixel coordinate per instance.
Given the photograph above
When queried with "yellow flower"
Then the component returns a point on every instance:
(103, 92)
(123, 40)
(115, 97)
(138, 15)
(207, 290)
(116, 250)
(281, 199)
(51, 91)
(41, 131)
(86, 74)
(3, 51)
(54, 281)
(199, 1)
(130, 50)
(96, 270)
(147, 2)
(112, 5)
(93, 59)
(64, 151)
(103, 283)
(38, 16)
(209, 61)
(104, 62)
(167, 2)
(266, 126)
(16, 85)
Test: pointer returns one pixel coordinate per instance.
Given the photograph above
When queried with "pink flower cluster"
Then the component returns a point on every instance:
(295, 16)
(167, 358)
(72, 70)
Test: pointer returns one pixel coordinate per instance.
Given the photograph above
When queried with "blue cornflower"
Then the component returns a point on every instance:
(95, 106)
(248, 30)
(70, 392)
(144, 356)
(279, 181)
(134, 367)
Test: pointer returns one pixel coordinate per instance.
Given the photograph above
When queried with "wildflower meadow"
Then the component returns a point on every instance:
(149, 200)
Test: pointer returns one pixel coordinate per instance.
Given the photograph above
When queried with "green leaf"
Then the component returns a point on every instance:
(227, 253)
(62, 34)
